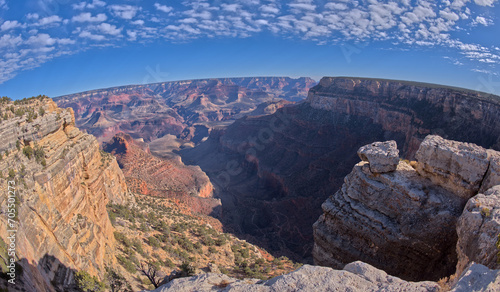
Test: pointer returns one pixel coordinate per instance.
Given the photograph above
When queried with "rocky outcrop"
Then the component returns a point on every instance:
(478, 278)
(459, 167)
(403, 221)
(273, 172)
(356, 276)
(152, 111)
(478, 231)
(63, 183)
(381, 156)
(163, 177)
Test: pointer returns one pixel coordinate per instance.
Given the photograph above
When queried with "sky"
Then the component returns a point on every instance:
(58, 47)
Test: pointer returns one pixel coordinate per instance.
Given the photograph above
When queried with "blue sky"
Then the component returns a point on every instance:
(57, 47)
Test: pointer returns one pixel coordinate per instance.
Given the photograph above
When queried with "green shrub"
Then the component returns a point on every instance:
(154, 242)
(88, 283)
(122, 238)
(28, 151)
(126, 263)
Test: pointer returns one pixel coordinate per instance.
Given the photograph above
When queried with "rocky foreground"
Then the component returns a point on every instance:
(356, 276)
(404, 217)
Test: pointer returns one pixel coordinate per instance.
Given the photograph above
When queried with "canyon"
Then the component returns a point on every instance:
(404, 219)
(187, 164)
(188, 109)
(273, 172)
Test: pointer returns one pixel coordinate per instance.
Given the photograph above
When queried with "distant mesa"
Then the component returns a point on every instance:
(179, 108)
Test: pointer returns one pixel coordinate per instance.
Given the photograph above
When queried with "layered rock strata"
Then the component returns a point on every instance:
(62, 186)
(403, 221)
(187, 109)
(163, 177)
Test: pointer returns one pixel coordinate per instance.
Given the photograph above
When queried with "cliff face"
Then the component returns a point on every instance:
(163, 177)
(63, 185)
(413, 109)
(180, 107)
(403, 220)
(273, 172)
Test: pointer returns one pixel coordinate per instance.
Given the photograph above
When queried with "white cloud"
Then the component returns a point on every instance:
(3, 5)
(138, 22)
(110, 29)
(231, 7)
(79, 6)
(8, 40)
(483, 21)
(42, 39)
(9, 24)
(49, 19)
(89, 35)
(125, 11)
(269, 9)
(87, 17)
(336, 6)
(446, 14)
(163, 8)
(485, 2)
(83, 5)
(132, 35)
(32, 16)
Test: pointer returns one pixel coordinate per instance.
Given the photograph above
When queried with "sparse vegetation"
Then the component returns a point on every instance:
(116, 281)
(155, 232)
(485, 212)
(28, 151)
(87, 283)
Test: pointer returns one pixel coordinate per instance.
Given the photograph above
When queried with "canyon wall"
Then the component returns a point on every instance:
(150, 175)
(273, 172)
(63, 183)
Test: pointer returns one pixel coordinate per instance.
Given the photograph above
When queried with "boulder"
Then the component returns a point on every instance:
(478, 278)
(382, 156)
(457, 166)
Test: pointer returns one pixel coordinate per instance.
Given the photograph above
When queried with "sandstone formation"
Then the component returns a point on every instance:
(404, 221)
(186, 109)
(273, 172)
(62, 187)
(163, 177)
(478, 230)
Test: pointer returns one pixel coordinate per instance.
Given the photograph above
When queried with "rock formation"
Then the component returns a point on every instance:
(356, 276)
(273, 172)
(63, 183)
(404, 221)
(478, 230)
(186, 109)
(163, 177)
